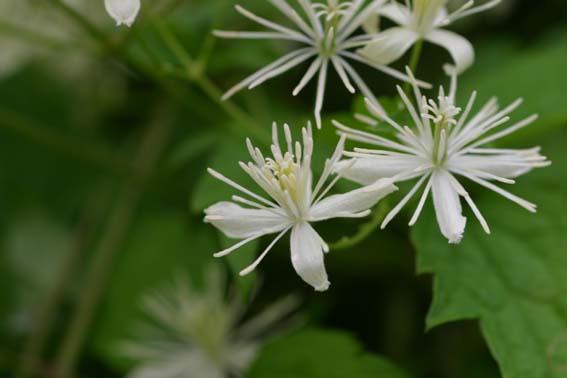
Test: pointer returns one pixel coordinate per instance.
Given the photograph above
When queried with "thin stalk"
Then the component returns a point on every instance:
(195, 74)
(414, 62)
(44, 317)
(365, 229)
(121, 217)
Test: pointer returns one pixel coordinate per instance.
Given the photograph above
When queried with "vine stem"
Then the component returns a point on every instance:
(365, 229)
(117, 227)
(194, 72)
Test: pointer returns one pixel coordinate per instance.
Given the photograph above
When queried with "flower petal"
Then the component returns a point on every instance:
(307, 256)
(390, 45)
(460, 48)
(396, 12)
(448, 207)
(508, 166)
(353, 202)
(368, 170)
(239, 222)
(123, 11)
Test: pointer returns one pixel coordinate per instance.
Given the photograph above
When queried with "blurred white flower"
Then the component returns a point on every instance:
(294, 204)
(442, 146)
(327, 36)
(423, 20)
(199, 332)
(124, 12)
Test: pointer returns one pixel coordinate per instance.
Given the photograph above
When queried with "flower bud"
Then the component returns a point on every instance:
(124, 12)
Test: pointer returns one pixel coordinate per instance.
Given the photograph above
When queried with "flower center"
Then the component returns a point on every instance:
(284, 170)
(331, 13)
(443, 113)
(425, 13)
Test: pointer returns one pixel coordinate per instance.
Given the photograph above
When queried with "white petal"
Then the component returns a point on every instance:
(239, 223)
(448, 207)
(123, 11)
(368, 170)
(460, 48)
(507, 166)
(355, 201)
(307, 256)
(395, 12)
(390, 45)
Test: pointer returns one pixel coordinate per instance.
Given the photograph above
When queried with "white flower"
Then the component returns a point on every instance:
(294, 204)
(124, 12)
(199, 333)
(443, 146)
(423, 20)
(327, 36)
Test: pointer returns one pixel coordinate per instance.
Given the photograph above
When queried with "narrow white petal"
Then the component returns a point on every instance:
(253, 266)
(396, 12)
(390, 45)
(286, 9)
(460, 48)
(448, 207)
(253, 35)
(238, 222)
(281, 69)
(124, 12)
(342, 74)
(403, 202)
(270, 67)
(359, 82)
(309, 74)
(355, 201)
(368, 170)
(321, 91)
(307, 256)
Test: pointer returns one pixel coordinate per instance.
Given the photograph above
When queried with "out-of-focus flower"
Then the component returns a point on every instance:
(294, 204)
(124, 12)
(327, 38)
(444, 144)
(199, 333)
(423, 20)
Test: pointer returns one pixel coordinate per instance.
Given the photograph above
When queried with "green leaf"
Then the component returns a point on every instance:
(513, 281)
(537, 75)
(160, 247)
(317, 353)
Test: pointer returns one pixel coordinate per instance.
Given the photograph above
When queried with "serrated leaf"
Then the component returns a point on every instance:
(514, 280)
(317, 353)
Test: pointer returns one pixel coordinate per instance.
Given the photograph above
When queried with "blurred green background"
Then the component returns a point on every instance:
(105, 135)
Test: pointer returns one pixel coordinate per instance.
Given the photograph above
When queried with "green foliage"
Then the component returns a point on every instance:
(536, 74)
(516, 286)
(318, 353)
(160, 247)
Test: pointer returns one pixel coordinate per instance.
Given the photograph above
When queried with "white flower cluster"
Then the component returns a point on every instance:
(445, 140)
(201, 333)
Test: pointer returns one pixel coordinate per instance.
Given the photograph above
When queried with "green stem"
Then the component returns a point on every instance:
(194, 73)
(414, 61)
(365, 230)
(146, 158)
(45, 316)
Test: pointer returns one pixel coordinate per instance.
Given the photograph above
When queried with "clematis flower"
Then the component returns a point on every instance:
(124, 12)
(294, 204)
(446, 143)
(326, 34)
(423, 20)
(199, 333)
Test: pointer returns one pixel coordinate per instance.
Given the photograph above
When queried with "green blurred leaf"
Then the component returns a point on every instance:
(317, 353)
(159, 247)
(537, 75)
(513, 281)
